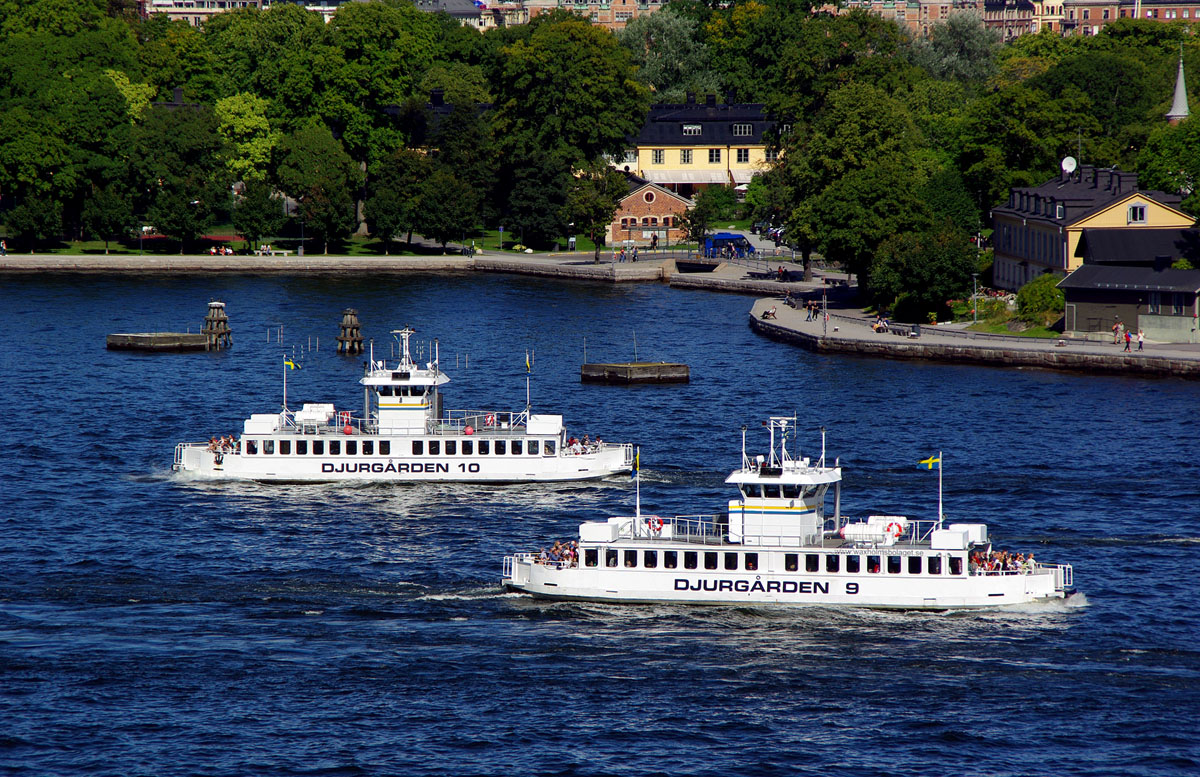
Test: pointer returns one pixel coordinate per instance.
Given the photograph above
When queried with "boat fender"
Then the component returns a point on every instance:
(348, 429)
(469, 430)
(655, 523)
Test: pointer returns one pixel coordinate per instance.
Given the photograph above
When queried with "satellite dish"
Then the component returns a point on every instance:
(1069, 164)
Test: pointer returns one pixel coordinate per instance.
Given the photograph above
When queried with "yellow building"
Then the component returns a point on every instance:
(690, 146)
(1037, 231)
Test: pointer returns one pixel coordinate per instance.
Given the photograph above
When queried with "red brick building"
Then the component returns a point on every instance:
(648, 210)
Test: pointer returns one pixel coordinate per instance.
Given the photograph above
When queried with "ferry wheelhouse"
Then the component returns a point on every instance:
(403, 435)
(780, 544)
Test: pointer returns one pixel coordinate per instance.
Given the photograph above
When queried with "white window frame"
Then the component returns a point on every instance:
(685, 156)
(658, 156)
(1136, 214)
(692, 130)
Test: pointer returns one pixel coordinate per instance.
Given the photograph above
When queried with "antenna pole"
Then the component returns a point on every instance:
(822, 446)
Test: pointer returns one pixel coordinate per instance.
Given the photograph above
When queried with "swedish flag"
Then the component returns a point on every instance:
(933, 462)
(291, 365)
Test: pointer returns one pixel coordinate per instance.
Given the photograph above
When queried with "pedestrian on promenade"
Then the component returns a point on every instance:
(635, 253)
(1116, 333)
(1141, 339)
(1128, 339)
(622, 259)
(3, 248)
(654, 242)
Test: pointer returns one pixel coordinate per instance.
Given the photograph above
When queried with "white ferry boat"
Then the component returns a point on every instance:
(778, 544)
(403, 435)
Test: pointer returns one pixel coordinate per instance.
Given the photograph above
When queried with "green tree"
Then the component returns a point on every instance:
(1171, 162)
(592, 201)
(37, 218)
(1041, 301)
(393, 203)
(248, 138)
(182, 209)
(960, 48)
(917, 273)
(668, 54)
(448, 209)
(258, 212)
(316, 171)
(108, 213)
(696, 222)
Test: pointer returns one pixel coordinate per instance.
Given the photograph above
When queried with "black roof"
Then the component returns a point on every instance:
(459, 9)
(665, 122)
(1084, 192)
(1127, 278)
(1140, 246)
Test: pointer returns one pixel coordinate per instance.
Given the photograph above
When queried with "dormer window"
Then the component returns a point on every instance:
(1060, 211)
(743, 130)
(1137, 214)
(691, 129)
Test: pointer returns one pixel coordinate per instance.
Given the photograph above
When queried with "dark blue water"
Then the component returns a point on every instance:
(160, 627)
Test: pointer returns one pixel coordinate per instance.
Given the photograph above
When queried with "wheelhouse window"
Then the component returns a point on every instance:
(591, 557)
(285, 447)
(771, 491)
(252, 447)
(791, 492)
(548, 448)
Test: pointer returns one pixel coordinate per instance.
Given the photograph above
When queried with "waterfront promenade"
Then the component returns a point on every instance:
(848, 331)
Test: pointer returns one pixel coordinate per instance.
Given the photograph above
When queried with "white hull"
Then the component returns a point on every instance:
(201, 463)
(882, 591)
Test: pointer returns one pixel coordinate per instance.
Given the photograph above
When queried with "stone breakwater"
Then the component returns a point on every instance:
(1047, 357)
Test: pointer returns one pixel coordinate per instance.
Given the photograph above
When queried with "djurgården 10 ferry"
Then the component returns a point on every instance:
(778, 545)
(403, 435)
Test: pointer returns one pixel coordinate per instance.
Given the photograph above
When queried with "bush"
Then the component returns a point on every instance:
(1041, 301)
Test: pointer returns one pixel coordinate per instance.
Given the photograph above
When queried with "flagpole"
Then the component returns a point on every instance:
(285, 369)
(941, 464)
(637, 480)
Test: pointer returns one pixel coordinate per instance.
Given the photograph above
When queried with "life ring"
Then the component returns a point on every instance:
(655, 523)
(894, 529)
(489, 419)
(344, 416)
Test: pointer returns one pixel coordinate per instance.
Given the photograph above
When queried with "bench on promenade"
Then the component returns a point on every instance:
(905, 330)
(272, 252)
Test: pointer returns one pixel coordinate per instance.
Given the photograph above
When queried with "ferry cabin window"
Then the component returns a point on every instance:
(268, 447)
(591, 557)
(650, 559)
(318, 447)
(689, 559)
(435, 447)
(418, 447)
(548, 448)
(935, 565)
(630, 559)
(451, 447)
(710, 560)
(301, 447)
(670, 559)
(956, 565)
(351, 447)
(791, 492)
(335, 447)
(791, 561)
(751, 561)
(854, 564)
(731, 560)
(873, 564)
(385, 447)
(752, 490)
(252, 447)
(832, 562)
(914, 565)
(812, 562)
(501, 448)
(893, 563)
(531, 447)
(485, 447)
(285, 447)
(368, 447)
(468, 447)
(771, 491)
(610, 558)
(517, 448)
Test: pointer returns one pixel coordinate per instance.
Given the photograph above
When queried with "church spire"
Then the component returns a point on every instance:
(1179, 107)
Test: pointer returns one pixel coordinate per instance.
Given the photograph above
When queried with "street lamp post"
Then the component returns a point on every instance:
(824, 308)
(975, 295)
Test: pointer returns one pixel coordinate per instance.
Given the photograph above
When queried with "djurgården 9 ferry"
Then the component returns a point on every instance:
(403, 435)
(779, 545)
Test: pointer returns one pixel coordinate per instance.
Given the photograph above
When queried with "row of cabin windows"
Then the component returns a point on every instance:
(419, 447)
(400, 391)
(832, 563)
(776, 491)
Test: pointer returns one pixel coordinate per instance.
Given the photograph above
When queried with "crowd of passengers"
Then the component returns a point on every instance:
(577, 446)
(1001, 561)
(562, 553)
(224, 444)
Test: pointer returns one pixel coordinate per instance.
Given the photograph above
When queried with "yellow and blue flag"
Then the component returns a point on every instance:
(291, 365)
(933, 462)
(528, 367)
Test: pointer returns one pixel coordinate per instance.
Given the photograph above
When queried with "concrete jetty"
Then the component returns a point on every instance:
(157, 341)
(635, 372)
(845, 333)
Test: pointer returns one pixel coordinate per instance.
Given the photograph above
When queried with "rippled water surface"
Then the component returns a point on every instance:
(152, 625)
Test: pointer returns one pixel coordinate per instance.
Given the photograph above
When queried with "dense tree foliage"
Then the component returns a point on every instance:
(886, 142)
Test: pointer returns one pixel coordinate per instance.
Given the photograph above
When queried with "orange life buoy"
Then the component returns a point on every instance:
(489, 419)
(894, 529)
(655, 523)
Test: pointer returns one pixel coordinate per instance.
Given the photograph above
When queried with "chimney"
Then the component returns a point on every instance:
(710, 100)
(1116, 183)
(437, 97)
(731, 97)
(691, 98)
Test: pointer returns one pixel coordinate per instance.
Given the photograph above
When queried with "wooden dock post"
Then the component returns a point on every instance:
(350, 340)
(216, 329)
